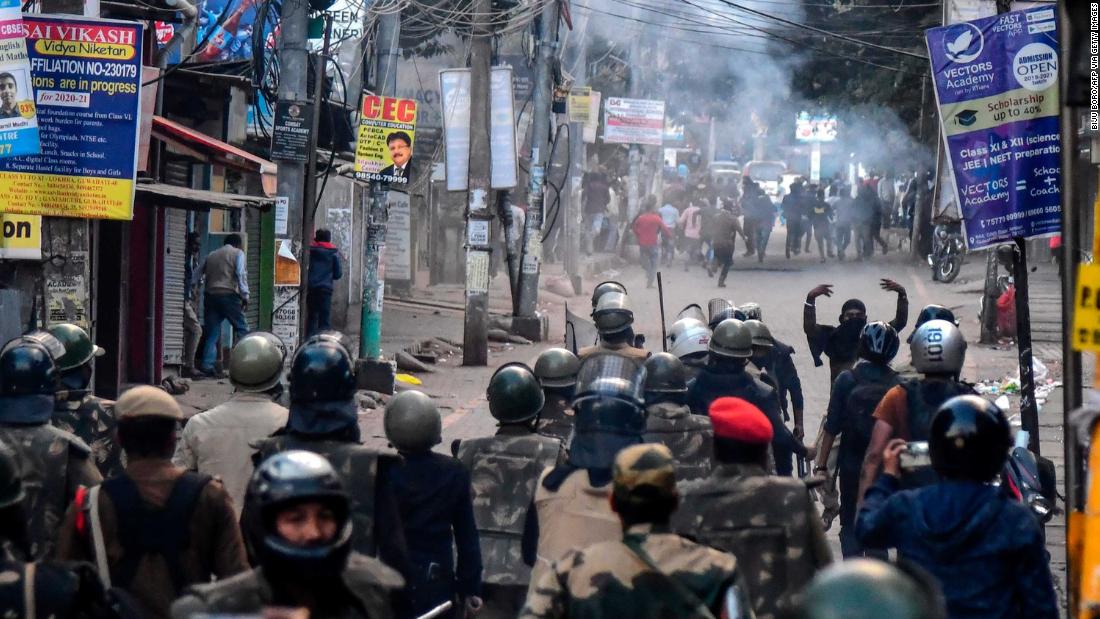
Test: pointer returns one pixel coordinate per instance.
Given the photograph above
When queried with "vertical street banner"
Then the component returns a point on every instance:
(996, 82)
(454, 89)
(633, 121)
(18, 121)
(503, 162)
(87, 81)
(384, 149)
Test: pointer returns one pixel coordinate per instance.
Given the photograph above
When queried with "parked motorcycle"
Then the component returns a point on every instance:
(1029, 479)
(947, 251)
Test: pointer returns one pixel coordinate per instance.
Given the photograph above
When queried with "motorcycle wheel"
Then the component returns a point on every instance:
(947, 269)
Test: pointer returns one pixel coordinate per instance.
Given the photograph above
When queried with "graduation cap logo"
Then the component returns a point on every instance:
(967, 117)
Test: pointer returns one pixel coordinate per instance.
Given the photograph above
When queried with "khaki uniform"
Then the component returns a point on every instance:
(623, 349)
(768, 522)
(615, 579)
(92, 420)
(218, 441)
(687, 436)
(214, 548)
(367, 583)
(53, 464)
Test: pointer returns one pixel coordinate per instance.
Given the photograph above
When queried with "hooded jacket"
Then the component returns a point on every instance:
(324, 265)
(986, 551)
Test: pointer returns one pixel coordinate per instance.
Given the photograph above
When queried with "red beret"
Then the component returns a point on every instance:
(738, 419)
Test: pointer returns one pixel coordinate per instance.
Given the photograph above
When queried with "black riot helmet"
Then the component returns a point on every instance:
(969, 439)
(283, 480)
(605, 287)
(321, 371)
(869, 589)
(412, 422)
(557, 368)
(27, 368)
(514, 394)
(932, 312)
(664, 373)
(608, 410)
(722, 309)
(878, 342)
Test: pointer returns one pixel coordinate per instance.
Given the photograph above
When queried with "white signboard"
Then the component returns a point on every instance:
(820, 128)
(593, 124)
(454, 88)
(284, 322)
(633, 121)
(502, 130)
(398, 238)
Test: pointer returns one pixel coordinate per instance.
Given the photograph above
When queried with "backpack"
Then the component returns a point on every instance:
(862, 401)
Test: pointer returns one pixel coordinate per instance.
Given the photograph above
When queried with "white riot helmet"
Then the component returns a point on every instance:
(690, 338)
(938, 347)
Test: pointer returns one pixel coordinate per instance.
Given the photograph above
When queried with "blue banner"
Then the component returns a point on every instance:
(18, 121)
(996, 85)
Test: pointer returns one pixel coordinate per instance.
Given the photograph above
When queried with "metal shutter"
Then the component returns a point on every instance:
(252, 263)
(174, 287)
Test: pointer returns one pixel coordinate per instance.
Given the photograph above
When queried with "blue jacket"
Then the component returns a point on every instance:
(986, 551)
(324, 265)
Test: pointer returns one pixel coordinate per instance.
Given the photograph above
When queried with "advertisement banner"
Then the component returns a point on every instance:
(633, 121)
(503, 163)
(384, 149)
(22, 237)
(18, 122)
(87, 80)
(996, 82)
(819, 128)
(580, 105)
(454, 89)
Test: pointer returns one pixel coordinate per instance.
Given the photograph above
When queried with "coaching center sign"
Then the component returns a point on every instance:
(633, 121)
(385, 146)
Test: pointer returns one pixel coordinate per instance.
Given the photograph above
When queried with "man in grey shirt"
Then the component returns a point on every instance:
(225, 297)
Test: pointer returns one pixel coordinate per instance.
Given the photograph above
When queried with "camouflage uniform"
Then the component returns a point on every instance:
(503, 472)
(556, 418)
(769, 522)
(92, 420)
(688, 436)
(53, 465)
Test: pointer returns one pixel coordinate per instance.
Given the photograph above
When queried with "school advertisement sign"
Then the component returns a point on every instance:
(87, 83)
(384, 149)
(996, 84)
(633, 121)
(18, 121)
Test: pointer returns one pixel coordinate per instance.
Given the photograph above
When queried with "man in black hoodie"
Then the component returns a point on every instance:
(841, 342)
(985, 549)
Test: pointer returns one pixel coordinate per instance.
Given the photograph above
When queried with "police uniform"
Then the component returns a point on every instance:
(687, 436)
(92, 420)
(769, 522)
(624, 349)
(504, 470)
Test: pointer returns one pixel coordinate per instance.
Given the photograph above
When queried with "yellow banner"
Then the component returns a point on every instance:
(21, 237)
(1086, 309)
(66, 196)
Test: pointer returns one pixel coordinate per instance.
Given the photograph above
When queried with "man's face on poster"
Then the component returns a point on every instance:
(400, 151)
(8, 92)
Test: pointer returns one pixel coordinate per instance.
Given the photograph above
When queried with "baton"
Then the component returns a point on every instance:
(437, 611)
(661, 299)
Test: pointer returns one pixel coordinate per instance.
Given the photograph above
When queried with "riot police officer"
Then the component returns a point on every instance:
(572, 499)
(435, 499)
(304, 550)
(729, 351)
(689, 339)
(504, 470)
(556, 370)
(53, 463)
(323, 418)
(869, 589)
(669, 420)
(938, 350)
(773, 359)
(719, 309)
(614, 320)
(76, 410)
(984, 548)
(605, 287)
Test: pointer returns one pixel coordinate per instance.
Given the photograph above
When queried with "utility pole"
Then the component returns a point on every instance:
(372, 371)
(475, 332)
(574, 205)
(309, 203)
(527, 322)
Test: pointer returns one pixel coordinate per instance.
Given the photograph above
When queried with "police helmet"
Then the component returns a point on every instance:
(412, 422)
(665, 373)
(11, 481)
(752, 311)
(868, 589)
(557, 367)
(256, 362)
(514, 394)
(613, 313)
(290, 478)
(607, 375)
(79, 348)
(690, 338)
(878, 342)
(761, 334)
(27, 368)
(969, 439)
(731, 339)
(692, 311)
(605, 287)
(938, 347)
(608, 409)
(933, 312)
(722, 309)
(321, 371)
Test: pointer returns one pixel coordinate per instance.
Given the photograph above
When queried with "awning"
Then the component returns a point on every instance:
(197, 199)
(205, 148)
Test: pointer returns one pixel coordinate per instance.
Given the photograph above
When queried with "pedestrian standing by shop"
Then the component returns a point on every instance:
(225, 297)
(324, 268)
(192, 328)
(647, 228)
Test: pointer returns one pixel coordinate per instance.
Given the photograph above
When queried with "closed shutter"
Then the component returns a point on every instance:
(252, 263)
(174, 288)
